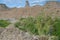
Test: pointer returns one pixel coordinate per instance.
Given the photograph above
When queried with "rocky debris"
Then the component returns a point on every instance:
(43, 38)
(13, 33)
(1, 29)
(10, 33)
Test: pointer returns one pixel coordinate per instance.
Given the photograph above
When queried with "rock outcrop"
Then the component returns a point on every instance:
(3, 7)
(15, 13)
(27, 4)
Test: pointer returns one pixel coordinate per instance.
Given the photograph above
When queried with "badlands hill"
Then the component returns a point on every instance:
(48, 9)
(13, 33)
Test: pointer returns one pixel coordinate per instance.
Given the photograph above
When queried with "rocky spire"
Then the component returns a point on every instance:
(27, 4)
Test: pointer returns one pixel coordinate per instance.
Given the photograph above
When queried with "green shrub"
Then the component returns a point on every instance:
(4, 23)
(27, 24)
(40, 25)
(56, 28)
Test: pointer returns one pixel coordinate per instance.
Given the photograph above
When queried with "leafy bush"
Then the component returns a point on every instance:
(4, 23)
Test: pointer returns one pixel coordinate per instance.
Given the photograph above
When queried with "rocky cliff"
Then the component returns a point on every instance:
(3, 7)
(51, 8)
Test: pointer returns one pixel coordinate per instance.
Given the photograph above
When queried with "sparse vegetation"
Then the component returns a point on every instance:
(56, 28)
(40, 25)
(4, 23)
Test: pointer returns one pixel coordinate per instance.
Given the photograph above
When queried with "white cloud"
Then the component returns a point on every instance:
(19, 3)
(37, 1)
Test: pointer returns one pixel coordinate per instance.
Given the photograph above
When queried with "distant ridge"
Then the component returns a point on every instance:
(53, 2)
(3, 7)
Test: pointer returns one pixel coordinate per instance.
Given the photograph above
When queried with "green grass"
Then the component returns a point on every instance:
(4, 23)
(40, 25)
(56, 28)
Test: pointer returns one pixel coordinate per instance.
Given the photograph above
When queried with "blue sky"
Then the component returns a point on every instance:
(21, 3)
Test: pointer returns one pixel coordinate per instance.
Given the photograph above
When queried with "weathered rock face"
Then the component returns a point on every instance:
(3, 7)
(27, 4)
(49, 9)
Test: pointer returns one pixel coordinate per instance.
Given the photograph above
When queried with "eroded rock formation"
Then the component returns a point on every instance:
(51, 8)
